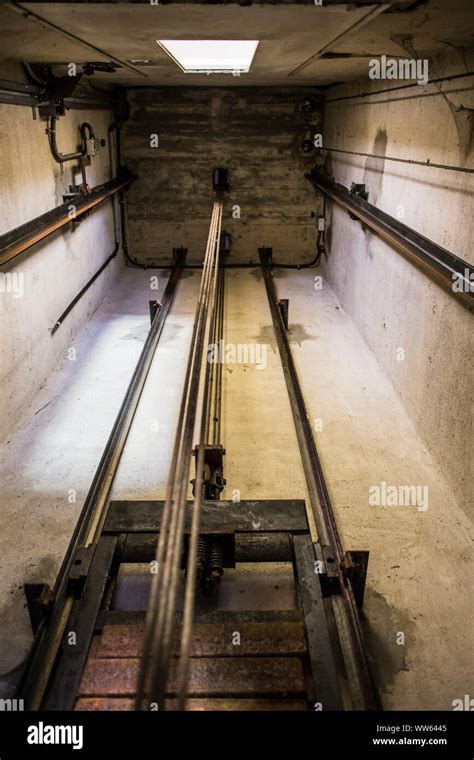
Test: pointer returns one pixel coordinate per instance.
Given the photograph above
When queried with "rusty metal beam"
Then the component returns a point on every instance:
(449, 270)
(19, 240)
(208, 676)
(209, 640)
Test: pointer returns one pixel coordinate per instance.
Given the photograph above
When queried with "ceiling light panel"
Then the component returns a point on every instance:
(211, 56)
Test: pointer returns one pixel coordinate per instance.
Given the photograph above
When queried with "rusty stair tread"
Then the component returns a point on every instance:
(94, 704)
(127, 617)
(209, 640)
(278, 676)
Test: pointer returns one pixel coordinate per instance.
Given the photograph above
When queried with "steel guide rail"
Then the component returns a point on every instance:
(347, 618)
(448, 269)
(36, 688)
(15, 242)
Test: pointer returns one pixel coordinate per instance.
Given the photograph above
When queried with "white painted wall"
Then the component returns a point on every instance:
(53, 271)
(393, 303)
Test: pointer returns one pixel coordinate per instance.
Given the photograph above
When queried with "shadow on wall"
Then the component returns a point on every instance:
(373, 179)
(375, 167)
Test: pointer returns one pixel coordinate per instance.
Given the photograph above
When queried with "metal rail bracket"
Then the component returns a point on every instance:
(39, 600)
(80, 566)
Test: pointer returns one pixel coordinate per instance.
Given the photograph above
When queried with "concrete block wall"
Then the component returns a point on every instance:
(53, 271)
(394, 304)
(254, 132)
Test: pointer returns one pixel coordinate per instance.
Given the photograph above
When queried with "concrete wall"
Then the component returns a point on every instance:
(50, 274)
(393, 304)
(254, 132)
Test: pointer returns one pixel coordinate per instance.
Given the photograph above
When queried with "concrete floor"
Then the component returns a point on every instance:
(418, 559)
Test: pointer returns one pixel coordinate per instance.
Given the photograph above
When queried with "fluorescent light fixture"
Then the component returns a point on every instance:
(211, 56)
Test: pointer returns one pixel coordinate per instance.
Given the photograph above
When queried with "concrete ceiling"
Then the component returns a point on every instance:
(290, 34)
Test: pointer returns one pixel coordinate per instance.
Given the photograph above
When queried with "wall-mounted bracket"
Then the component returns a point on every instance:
(355, 569)
(179, 253)
(154, 306)
(213, 479)
(266, 254)
(39, 601)
(80, 566)
(225, 243)
(353, 566)
(359, 190)
(220, 180)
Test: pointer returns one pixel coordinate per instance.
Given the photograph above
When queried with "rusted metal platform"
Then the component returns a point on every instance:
(241, 659)
(234, 666)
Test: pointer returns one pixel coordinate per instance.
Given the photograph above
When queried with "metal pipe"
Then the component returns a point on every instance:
(116, 208)
(82, 103)
(12, 86)
(444, 265)
(249, 547)
(447, 167)
(61, 158)
(234, 265)
(23, 94)
(30, 100)
(401, 87)
(86, 287)
(18, 99)
(24, 237)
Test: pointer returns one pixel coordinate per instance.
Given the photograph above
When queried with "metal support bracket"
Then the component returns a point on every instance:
(220, 180)
(225, 243)
(62, 689)
(154, 306)
(266, 254)
(359, 190)
(213, 479)
(353, 566)
(323, 664)
(326, 568)
(39, 601)
(179, 253)
(80, 566)
(355, 569)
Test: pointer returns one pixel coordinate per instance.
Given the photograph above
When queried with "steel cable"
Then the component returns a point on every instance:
(155, 663)
(191, 569)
